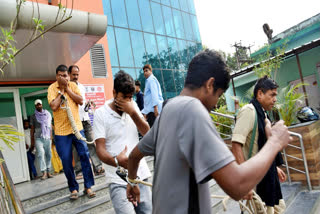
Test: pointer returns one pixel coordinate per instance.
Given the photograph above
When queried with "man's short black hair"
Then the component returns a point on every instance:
(137, 83)
(124, 83)
(70, 68)
(203, 66)
(264, 84)
(62, 68)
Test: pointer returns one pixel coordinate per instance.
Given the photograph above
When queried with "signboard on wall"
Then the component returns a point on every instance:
(95, 93)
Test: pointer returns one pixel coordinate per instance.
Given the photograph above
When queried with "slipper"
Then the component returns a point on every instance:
(90, 194)
(99, 172)
(74, 196)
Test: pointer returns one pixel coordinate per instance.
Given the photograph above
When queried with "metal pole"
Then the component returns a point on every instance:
(304, 158)
(287, 167)
(301, 77)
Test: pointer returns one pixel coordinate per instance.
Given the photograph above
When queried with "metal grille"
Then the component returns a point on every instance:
(98, 61)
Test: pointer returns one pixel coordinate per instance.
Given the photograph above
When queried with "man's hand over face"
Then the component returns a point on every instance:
(124, 105)
(63, 82)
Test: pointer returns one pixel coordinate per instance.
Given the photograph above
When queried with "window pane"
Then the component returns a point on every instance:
(178, 23)
(131, 72)
(115, 70)
(119, 13)
(158, 74)
(139, 53)
(166, 2)
(107, 11)
(156, 0)
(184, 54)
(163, 52)
(168, 21)
(191, 7)
(124, 47)
(195, 28)
(112, 47)
(133, 14)
(179, 80)
(187, 26)
(193, 49)
(184, 5)
(175, 4)
(152, 50)
(141, 78)
(157, 18)
(174, 53)
(146, 17)
(169, 84)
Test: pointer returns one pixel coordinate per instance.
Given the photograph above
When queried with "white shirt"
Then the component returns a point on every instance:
(118, 131)
(83, 114)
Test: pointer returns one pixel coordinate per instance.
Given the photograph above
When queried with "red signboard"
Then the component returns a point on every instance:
(95, 93)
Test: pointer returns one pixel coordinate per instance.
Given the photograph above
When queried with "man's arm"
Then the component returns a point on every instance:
(154, 96)
(156, 112)
(55, 104)
(75, 97)
(237, 152)
(133, 193)
(105, 156)
(32, 130)
(248, 174)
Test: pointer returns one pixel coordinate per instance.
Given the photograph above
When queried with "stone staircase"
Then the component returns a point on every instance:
(52, 196)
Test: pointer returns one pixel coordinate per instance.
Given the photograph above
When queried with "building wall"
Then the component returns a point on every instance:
(86, 77)
(162, 33)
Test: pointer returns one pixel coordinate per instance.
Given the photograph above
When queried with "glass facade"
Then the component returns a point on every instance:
(163, 33)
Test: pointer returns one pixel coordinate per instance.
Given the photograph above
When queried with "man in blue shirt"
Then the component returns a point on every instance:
(152, 96)
(139, 95)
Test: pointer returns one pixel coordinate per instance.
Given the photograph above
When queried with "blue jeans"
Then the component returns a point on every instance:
(43, 147)
(32, 169)
(121, 205)
(64, 149)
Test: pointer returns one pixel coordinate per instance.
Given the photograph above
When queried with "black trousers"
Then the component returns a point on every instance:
(151, 118)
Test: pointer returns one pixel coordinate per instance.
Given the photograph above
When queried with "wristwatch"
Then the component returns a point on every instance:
(115, 160)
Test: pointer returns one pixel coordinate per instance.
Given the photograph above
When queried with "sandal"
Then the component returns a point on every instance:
(90, 194)
(99, 172)
(74, 196)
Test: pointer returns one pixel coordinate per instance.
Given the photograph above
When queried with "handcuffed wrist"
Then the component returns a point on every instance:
(132, 182)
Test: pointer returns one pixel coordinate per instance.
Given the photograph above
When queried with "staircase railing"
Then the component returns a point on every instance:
(9, 201)
(304, 160)
(285, 155)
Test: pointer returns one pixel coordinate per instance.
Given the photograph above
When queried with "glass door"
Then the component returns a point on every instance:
(10, 113)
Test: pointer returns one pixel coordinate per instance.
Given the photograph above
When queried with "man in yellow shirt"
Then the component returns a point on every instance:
(64, 136)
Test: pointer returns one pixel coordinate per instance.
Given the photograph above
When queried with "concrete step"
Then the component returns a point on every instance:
(305, 202)
(43, 192)
(63, 203)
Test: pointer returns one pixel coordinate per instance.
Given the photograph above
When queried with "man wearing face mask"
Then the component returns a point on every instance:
(115, 128)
